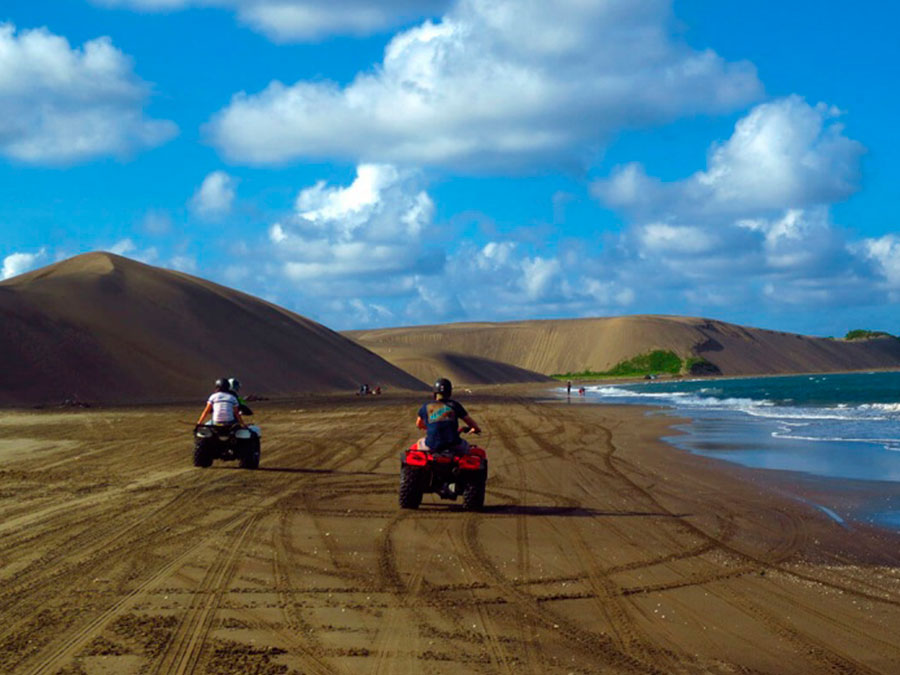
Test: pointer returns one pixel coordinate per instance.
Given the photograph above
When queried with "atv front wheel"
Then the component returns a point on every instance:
(473, 494)
(201, 457)
(410, 487)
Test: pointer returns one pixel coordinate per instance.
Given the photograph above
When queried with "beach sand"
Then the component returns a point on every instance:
(601, 549)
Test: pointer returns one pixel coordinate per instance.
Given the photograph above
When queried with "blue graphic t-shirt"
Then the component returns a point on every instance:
(442, 418)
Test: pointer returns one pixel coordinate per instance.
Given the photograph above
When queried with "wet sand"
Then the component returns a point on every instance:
(600, 549)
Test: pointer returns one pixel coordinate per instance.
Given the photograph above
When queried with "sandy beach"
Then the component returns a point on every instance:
(601, 549)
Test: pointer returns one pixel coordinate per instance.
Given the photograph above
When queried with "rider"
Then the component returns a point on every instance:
(223, 405)
(440, 418)
(234, 386)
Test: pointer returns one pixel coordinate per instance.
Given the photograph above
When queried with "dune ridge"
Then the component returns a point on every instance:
(102, 328)
(547, 347)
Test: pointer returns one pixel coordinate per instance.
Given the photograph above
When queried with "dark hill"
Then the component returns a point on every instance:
(101, 328)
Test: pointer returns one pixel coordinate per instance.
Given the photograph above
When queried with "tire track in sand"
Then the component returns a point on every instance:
(389, 638)
(823, 655)
(66, 651)
(592, 644)
(184, 650)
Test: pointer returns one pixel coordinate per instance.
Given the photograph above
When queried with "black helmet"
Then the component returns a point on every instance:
(234, 384)
(222, 384)
(443, 387)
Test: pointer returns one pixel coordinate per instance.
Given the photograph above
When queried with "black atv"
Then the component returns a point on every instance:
(228, 442)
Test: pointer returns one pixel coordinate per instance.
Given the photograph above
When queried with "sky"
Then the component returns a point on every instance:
(376, 163)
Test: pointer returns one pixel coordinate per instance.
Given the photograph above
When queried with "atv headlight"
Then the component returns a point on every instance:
(204, 432)
(243, 434)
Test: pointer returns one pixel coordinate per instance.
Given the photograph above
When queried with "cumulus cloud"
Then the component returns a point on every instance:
(61, 105)
(755, 226)
(784, 154)
(493, 83)
(365, 233)
(884, 253)
(370, 253)
(19, 263)
(215, 196)
(304, 20)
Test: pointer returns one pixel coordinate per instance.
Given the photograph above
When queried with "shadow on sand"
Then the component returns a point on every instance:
(538, 510)
(570, 512)
(281, 469)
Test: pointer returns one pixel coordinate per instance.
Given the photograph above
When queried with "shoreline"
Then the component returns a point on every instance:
(854, 479)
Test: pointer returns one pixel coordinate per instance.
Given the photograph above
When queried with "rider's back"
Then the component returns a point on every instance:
(442, 419)
(223, 404)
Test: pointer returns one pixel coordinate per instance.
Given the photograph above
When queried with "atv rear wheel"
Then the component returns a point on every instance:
(250, 456)
(473, 494)
(410, 487)
(201, 457)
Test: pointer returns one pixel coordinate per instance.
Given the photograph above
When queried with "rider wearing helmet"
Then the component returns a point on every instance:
(440, 419)
(234, 386)
(223, 405)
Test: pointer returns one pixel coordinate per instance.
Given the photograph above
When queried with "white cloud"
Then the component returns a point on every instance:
(784, 154)
(662, 238)
(884, 253)
(19, 263)
(494, 83)
(304, 20)
(366, 232)
(60, 105)
(540, 277)
(755, 227)
(127, 247)
(215, 196)
(123, 247)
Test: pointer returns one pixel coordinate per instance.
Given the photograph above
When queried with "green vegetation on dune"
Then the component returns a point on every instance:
(657, 361)
(862, 334)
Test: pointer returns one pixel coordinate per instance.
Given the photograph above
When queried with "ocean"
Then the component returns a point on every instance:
(840, 430)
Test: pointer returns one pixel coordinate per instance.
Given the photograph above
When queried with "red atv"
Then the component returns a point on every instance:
(446, 473)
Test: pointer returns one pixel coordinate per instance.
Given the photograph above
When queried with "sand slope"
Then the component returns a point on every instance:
(572, 345)
(103, 328)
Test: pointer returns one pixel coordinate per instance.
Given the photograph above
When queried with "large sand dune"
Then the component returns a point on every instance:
(574, 345)
(103, 328)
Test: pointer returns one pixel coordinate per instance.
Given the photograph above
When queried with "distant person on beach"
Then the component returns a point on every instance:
(569, 388)
(440, 420)
(223, 405)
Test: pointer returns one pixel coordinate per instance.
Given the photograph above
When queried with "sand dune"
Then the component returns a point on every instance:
(572, 345)
(430, 364)
(103, 328)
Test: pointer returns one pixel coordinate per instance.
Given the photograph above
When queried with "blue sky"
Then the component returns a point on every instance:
(405, 162)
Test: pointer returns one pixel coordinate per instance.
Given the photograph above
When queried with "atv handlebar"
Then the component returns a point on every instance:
(469, 430)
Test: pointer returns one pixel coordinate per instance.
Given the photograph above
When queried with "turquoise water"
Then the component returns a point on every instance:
(843, 428)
